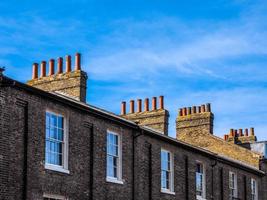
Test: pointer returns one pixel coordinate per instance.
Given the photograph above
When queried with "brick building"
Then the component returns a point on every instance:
(55, 146)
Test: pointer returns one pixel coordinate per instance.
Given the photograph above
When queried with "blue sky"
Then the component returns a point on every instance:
(192, 52)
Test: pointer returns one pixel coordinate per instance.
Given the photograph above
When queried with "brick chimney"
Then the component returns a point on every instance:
(156, 118)
(71, 83)
(240, 136)
(195, 119)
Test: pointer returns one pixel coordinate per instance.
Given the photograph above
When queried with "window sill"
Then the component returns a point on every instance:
(167, 192)
(56, 168)
(112, 180)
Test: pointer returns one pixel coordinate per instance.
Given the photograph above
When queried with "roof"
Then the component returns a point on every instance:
(8, 82)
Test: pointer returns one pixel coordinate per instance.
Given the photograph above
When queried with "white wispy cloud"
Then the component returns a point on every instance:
(139, 52)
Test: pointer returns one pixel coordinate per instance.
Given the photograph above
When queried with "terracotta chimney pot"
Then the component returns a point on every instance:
(43, 69)
(60, 65)
(139, 105)
(154, 103)
(68, 63)
(35, 71)
(51, 67)
(78, 61)
(132, 106)
(146, 105)
(161, 102)
(123, 108)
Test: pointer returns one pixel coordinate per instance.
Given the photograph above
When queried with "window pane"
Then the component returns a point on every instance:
(60, 135)
(165, 170)
(47, 120)
(60, 122)
(54, 139)
(112, 155)
(53, 120)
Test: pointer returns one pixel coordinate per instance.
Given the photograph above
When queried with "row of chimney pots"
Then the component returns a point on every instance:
(59, 66)
(139, 105)
(239, 133)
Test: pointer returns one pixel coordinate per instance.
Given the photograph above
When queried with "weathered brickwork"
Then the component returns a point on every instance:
(237, 136)
(156, 118)
(4, 144)
(71, 83)
(197, 128)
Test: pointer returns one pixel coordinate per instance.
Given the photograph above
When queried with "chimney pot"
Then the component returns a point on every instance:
(51, 67)
(225, 137)
(180, 112)
(43, 69)
(184, 112)
(189, 110)
(139, 105)
(132, 106)
(146, 105)
(78, 61)
(252, 131)
(194, 109)
(236, 135)
(154, 103)
(246, 132)
(161, 102)
(60, 65)
(232, 132)
(123, 108)
(202, 108)
(208, 107)
(34, 71)
(240, 132)
(68, 63)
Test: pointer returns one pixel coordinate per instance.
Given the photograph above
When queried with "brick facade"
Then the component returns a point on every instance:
(22, 155)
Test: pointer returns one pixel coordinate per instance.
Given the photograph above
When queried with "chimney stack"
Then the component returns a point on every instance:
(195, 119)
(237, 137)
(155, 118)
(71, 83)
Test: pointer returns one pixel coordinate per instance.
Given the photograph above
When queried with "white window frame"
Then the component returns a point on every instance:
(256, 189)
(235, 186)
(65, 157)
(117, 180)
(171, 190)
(53, 196)
(203, 196)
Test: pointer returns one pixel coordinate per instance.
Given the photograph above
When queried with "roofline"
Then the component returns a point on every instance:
(8, 82)
(5, 81)
(202, 151)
